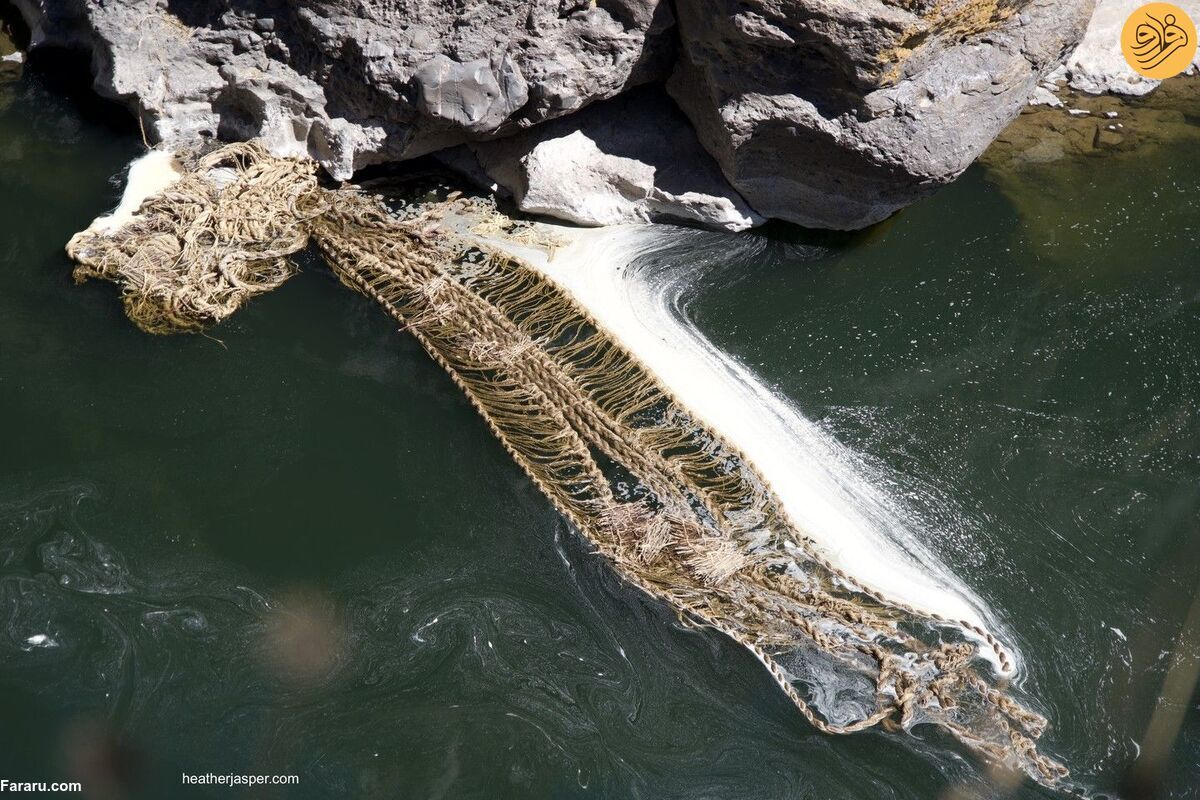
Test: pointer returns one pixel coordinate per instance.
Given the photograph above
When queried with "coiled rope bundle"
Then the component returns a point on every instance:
(700, 529)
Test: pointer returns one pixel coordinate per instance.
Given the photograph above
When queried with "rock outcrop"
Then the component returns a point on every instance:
(829, 113)
(632, 158)
(355, 83)
(1095, 103)
(11, 58)
(836, 113)
(1097, 66)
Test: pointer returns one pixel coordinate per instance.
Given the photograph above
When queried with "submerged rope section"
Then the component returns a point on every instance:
(679, 512)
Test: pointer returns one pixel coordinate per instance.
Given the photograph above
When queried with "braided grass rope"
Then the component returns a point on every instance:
(700, 529)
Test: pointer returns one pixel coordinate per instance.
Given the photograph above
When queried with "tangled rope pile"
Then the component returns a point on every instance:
(699, 529)
(220, 235)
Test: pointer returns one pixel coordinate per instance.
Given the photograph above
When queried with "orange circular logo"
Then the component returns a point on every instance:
(1159, 40)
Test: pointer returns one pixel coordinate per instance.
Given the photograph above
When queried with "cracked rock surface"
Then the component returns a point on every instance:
(869, 103)
(355, 83)
(632, 158)
(827, 113)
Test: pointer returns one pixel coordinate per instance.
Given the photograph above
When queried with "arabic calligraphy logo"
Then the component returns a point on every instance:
(1159, 40)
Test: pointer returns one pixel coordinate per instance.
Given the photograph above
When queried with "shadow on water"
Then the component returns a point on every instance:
(67, 74)
(778, 230)
(13, 25)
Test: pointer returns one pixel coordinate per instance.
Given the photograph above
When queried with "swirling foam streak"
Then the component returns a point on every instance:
(850, 520)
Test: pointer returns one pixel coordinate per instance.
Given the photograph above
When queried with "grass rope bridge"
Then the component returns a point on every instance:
(701, 530)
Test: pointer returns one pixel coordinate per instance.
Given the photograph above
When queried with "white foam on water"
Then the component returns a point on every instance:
(848, 519)
(148, 175)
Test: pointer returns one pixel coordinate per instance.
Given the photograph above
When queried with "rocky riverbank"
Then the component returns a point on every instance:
(1093, 106)
(1082, 125)
(828, 113)
(11, 57)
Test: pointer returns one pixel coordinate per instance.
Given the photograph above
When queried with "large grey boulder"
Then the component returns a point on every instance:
(836, 113)
(829, 113)
(354, 83)
(634, 158)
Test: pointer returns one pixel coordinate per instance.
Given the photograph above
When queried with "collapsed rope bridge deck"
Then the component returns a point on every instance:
(679, 512)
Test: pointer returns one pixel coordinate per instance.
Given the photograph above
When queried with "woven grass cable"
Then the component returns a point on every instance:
(700, 529)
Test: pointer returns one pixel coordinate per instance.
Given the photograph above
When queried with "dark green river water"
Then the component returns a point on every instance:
(296, 550)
